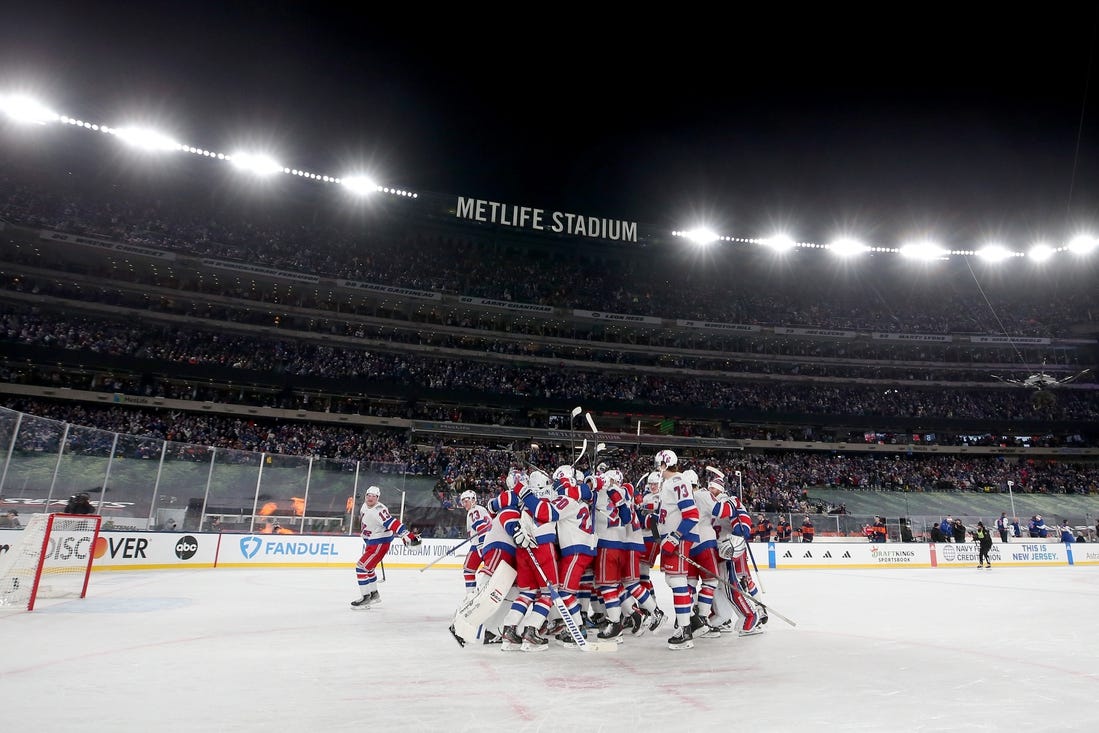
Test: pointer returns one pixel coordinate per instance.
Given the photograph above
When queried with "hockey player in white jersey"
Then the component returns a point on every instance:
(639, 610)
(613, 516)
(576, 541)
(704, 554)
(676, 520)
(647, 500)
(379, 528)
(478, 521)
(535, 536)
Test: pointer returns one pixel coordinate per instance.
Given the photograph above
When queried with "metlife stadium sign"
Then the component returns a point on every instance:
(540, 220)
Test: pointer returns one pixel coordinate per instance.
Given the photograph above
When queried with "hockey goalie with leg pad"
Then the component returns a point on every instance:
(732, 598)
(496, 578)
(734, 528)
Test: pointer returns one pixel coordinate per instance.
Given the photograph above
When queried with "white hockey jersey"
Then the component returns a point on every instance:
(478, 521)
(677, 511)
(378, 525)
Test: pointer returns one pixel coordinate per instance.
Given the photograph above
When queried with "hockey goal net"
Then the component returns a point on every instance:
(51, 559)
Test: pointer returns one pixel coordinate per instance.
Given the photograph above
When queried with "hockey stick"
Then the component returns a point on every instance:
(599, 447)
(572, 427)
(452, 549)
(752, 557)
(559, 603)
(583, 450)
(737, 589)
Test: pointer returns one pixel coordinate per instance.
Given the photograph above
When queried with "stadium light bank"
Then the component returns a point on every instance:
(25, 109)
(922, 250)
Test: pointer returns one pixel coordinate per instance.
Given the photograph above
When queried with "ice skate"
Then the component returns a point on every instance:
(370, 599)
(655, 619)
(752, 626)
(682, 639)
(510, 641)
(613, 630)
(552, 628)
(568, 642)
(532, 642)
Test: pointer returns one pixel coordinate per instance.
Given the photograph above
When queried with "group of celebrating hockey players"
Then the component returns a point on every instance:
(580, 549)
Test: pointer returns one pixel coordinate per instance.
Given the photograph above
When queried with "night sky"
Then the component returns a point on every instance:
(885, 123)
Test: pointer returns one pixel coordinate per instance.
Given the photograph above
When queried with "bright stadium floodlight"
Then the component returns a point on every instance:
(994, 253)
(22, 108)
(780, 243)
(847, 247)
(146, 139)
(702, 236)
(257, 163)
(925, 251)
(1082, 244)
(1040, 252)
(360, 185)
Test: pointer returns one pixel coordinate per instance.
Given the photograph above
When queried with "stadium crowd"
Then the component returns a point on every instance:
(761, 354)
(282, 237)
(774, 480)
(564, 382)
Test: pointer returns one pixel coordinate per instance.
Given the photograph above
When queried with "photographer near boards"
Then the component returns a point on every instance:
(80, 504)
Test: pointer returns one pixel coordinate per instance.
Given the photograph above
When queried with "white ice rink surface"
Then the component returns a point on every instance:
(280, 650)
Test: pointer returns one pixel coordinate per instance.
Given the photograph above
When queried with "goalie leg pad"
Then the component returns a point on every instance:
(483, 604)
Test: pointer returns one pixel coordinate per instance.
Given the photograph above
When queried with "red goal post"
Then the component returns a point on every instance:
(51, 559)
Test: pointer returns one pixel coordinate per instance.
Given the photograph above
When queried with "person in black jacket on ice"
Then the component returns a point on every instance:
(983, 538)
